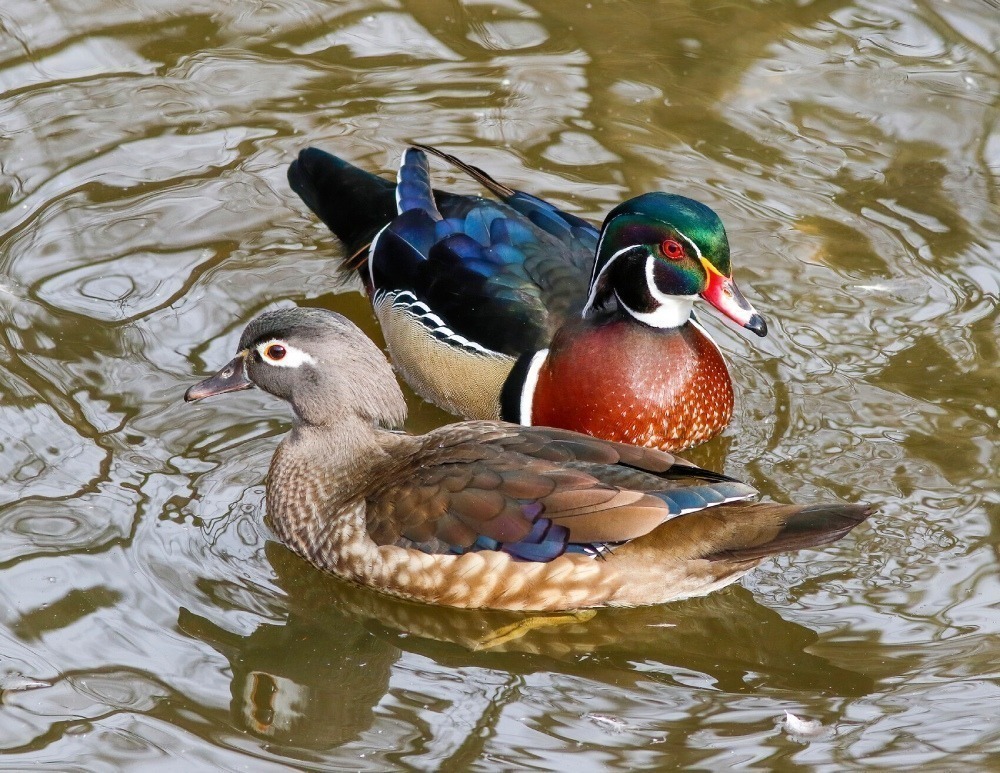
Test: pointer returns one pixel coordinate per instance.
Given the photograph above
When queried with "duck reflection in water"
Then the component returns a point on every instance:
(311, 682)
(726, 636)
(290, 680)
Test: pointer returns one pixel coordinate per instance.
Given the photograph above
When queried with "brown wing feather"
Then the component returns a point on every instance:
(492, 479)
(489, 478)
(744, 533)
(623, 521)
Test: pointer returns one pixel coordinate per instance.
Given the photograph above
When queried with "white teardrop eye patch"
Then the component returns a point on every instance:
(282, 354)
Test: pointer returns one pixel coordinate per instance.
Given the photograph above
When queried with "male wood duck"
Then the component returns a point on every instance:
(516, 310)
(489, 514)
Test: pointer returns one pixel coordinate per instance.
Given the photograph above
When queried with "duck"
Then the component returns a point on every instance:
(489, 514)
(512, 309)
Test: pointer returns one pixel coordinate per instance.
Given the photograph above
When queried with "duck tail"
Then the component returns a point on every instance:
(761, 529)
(353, 203)
(413, 184)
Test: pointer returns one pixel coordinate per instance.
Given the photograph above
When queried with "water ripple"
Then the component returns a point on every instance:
(148, 617)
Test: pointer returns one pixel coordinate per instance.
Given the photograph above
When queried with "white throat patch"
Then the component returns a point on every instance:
(672, 311)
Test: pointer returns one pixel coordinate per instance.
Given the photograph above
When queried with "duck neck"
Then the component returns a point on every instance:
(315, 482)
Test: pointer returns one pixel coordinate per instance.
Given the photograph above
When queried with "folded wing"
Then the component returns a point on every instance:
(534, 493)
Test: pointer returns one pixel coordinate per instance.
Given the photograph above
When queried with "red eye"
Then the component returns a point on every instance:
(275, 352)
(672, 249)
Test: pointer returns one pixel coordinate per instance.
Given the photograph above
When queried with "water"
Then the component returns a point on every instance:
(852, 149)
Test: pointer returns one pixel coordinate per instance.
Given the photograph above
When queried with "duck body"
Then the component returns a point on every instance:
(489, 514)
(481, 302)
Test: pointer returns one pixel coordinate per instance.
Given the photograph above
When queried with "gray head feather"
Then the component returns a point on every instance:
(349, 376)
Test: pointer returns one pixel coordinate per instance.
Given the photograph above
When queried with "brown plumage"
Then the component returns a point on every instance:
(488, 514)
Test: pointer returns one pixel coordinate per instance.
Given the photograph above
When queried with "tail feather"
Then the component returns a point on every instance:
(497, 188)
(353, 203)
(784, 528)
(413, 184)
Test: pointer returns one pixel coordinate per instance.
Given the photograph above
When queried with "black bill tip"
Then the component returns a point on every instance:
(756, 324)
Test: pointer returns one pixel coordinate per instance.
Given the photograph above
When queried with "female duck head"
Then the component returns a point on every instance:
(657, 253)
(318, 361)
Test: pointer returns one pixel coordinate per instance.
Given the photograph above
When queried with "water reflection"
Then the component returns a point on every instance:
(314, 679)
(851, 149)
(726, 636)
(311, 682)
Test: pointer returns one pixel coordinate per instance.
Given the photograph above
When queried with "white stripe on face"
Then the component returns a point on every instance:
(671, 311)
(597, 276)
(690, 241)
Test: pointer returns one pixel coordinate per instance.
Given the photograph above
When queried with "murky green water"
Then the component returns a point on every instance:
(145, 620)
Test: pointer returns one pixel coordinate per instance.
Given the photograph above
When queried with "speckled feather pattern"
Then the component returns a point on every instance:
(667, 389)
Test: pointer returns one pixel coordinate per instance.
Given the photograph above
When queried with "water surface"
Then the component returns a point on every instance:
(146, 619)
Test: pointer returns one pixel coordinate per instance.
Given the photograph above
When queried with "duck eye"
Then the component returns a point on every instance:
(672, 249)
(275, 352)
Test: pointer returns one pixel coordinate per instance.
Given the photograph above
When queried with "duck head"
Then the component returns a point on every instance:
(318, 361)
(657, 253)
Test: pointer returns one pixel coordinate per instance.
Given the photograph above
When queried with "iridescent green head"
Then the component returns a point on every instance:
(657, 253)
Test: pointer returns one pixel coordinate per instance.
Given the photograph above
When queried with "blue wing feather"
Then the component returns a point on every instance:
(413, 185)
(521, 271)
(524, 263)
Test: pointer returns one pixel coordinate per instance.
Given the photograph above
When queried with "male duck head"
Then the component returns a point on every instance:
(313, 359)
(678, 247)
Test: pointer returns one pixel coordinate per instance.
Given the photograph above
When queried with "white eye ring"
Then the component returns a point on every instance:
(283, 355)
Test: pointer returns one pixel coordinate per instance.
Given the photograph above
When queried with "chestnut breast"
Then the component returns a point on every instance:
(661, 388)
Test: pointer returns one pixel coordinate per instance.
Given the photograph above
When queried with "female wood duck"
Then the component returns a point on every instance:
(489, 514)
(516, 310)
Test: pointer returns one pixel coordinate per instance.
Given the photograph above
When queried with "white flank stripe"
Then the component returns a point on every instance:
(399, 178)
(371, 253)
(528, 388)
